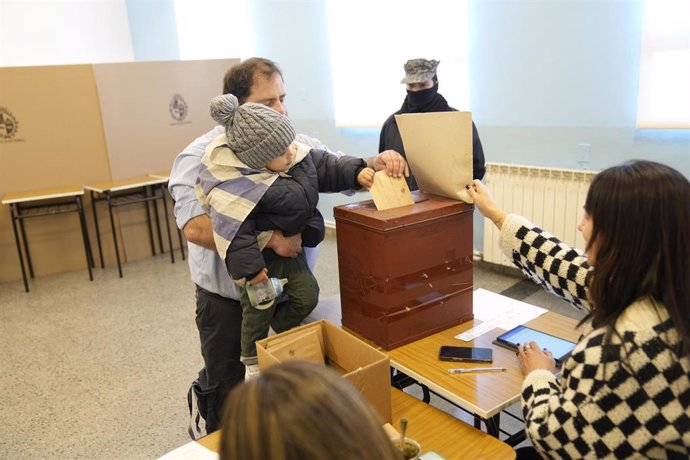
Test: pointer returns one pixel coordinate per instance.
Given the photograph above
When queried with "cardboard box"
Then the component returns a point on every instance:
(405, 273)
(365, 367)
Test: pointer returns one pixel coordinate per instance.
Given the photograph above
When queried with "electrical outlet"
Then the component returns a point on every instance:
(584, 153)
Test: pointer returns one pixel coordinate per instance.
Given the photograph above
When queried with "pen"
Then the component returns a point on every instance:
(473, 370)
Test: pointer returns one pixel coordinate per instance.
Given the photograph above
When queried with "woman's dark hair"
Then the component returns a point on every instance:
(238, 80)
(640, 213)
(300, 410)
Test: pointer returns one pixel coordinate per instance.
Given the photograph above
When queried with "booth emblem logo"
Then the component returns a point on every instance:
(8, 124)
(178, 108)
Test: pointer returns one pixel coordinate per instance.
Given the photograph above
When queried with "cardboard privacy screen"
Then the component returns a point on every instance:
(438, 147)
(152, 110)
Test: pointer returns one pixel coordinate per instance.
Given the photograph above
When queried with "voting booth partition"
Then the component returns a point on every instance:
(80, 124)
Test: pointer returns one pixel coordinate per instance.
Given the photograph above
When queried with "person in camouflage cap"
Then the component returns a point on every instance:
(422, 96)
(419, 70)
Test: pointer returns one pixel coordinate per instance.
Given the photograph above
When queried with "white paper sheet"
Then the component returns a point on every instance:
(495, 310)
(190, 451)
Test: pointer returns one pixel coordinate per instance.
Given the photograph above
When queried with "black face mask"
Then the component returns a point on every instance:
(421, 98)
(418, 101)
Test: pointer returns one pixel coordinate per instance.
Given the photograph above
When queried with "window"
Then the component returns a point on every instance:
(371, 40)
(63, 32)
(664, 93)
(214, 29)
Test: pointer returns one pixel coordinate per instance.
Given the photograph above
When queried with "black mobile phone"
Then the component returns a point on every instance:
(465, 354)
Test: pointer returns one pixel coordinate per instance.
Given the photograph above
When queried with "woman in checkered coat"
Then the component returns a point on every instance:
(625, 389)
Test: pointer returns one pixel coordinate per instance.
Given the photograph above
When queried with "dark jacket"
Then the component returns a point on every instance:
(289, 205)
(390, 139)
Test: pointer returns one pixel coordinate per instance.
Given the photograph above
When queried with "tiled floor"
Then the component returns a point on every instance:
(101, 369)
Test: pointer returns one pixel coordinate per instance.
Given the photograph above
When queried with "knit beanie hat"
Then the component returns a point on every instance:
(256, 134)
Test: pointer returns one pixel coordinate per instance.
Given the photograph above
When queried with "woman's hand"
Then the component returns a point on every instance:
(532, 358)
(485, 203)
(365, 178)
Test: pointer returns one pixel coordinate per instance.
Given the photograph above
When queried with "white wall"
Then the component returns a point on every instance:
(548, 76)
(63, 32)
(544, 77)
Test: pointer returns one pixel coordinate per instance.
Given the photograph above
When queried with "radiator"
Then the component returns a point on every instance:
(551, 198)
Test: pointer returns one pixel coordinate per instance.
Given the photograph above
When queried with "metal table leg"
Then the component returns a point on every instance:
(493, 424)
(85, 237)
(148, 220)
(112, 226)
(426, 394)
(167, 224)
(14, 214)
(22, 229)
(179, 236)
(98, 232)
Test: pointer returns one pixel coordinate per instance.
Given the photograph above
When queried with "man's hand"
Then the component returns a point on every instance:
(390, 160)
(199, 230)
(285, 246)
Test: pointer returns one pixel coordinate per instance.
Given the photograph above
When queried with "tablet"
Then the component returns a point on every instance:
(560, 348)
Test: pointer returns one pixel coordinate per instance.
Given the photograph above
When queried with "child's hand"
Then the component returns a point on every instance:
(366, 178)
(261, 277)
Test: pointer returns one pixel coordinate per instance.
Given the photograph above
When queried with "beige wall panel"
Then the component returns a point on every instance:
(57, 140)
(86, 124)
(152, 110)
(145, 131)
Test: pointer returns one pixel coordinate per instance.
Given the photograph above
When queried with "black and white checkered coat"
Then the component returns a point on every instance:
(627, 399)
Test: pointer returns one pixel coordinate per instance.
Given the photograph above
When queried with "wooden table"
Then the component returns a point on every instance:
(45, 202)
(125, 192)
(432, 429)
(484, 394)
(161, 175)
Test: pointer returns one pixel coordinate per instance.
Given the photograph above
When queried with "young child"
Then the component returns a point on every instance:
(255, 179)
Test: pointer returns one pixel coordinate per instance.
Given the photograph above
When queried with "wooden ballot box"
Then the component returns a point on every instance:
(405, 273)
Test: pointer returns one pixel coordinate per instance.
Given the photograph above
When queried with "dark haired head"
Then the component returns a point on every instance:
(238, 80)
(300, 410)
(640, 213)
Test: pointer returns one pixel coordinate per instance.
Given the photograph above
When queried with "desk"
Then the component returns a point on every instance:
(433, 429)
(45, 202)
(484, 395)
(126, 192)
